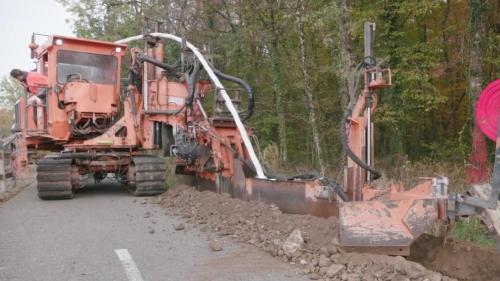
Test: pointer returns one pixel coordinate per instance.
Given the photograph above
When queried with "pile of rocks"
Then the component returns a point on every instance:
(306, 241)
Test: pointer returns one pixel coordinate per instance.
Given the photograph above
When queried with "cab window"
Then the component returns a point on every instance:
(95, 68)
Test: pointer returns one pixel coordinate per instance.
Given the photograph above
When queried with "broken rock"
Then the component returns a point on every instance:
(293, 243)
(434, 276)
(323, 270)
(179, 226)
(215, 245)
(324, 261)
(333, 270)
(332, 250)
(324, 251)
(314, 276)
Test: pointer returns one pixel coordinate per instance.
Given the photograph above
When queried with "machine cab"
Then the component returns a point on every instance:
(82, 94)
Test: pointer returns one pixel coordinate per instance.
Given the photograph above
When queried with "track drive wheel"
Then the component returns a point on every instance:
(146, 176)
(54, 178)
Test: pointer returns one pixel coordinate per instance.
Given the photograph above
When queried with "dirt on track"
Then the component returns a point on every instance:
(318, 257)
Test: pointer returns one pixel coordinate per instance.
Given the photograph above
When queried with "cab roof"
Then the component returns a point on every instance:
(52, 41)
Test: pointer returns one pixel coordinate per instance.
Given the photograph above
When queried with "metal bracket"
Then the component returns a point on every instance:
(440, 187)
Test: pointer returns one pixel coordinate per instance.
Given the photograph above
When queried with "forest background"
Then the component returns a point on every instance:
(299, 55)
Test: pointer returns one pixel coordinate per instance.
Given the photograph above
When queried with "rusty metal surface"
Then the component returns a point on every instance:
(372, 223)
(391, 251)
(421, 216)
(203, 184)
(294, 197)
(391, 222)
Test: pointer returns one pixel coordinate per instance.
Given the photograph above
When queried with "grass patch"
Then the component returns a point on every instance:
(472, 230)
(170, 181)
(400, 168)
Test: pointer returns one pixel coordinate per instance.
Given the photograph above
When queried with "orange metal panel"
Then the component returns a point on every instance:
(89, 97)
(393, 220)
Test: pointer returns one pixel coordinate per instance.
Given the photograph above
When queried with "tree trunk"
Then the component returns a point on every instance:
(477, 172)
(346, 57)
(278, 92)
(276, 81)
(270, 25)
(308, 91)
(477, 31)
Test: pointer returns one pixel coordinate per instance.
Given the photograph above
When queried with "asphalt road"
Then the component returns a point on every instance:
(79, 239)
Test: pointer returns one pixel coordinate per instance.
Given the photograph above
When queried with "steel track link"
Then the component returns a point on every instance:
(54, 179)
(149, 176)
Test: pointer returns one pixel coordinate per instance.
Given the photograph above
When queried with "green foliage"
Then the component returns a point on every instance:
(5, 122)
(10, 91)
(425, 115)
(418, 92)
(472, 230)
(491, 57)
(107, 19)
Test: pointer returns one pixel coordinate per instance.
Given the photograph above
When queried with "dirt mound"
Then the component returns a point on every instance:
(304, 240)
(461, 260)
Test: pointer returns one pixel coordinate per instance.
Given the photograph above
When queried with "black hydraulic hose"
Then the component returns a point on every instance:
(134, 79)
(251, 99)
(192, 77)
(314, 175)
(343, 128)
(167, 67)
(345, 145)
(132, 104)
(337, 188)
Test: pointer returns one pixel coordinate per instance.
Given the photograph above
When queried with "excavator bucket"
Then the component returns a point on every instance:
(390, 223)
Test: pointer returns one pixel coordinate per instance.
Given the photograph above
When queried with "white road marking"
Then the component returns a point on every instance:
(133, 273)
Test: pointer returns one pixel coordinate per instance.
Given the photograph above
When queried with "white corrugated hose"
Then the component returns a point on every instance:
(222, 90)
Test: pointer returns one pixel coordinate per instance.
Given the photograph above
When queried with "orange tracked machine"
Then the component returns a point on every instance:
(97, 124)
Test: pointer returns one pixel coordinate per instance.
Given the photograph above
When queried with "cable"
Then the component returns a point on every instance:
(192, 76)
(344, 135)
(167, 67)
(337, 188)
(251, 99)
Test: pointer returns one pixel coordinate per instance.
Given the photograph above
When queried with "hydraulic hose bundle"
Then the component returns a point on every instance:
(347, 149)
(344, 138)
(192, 77)
(245, 115)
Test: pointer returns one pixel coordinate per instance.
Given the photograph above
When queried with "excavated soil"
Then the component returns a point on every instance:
(462, 260)
(310, 242)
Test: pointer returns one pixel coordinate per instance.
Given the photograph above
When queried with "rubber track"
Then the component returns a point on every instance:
(54, 179)
(149, 176)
